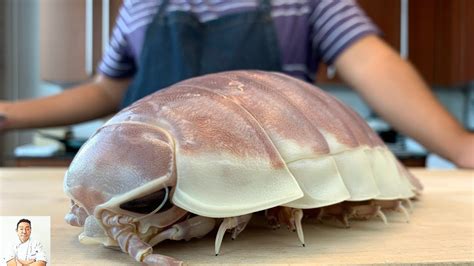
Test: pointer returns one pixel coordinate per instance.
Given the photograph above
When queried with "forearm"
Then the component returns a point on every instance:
(396, 92)
(38, 263)
(24, 262)
(82, 103)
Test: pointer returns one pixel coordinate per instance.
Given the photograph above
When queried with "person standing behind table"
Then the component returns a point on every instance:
(24, 250)
(156, 43)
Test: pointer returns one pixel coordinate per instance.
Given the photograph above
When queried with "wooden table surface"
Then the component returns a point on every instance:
(440, 230)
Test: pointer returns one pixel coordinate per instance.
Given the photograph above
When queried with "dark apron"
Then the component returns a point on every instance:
(178, 46)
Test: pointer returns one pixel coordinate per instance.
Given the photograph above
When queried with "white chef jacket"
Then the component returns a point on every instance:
(29, 250)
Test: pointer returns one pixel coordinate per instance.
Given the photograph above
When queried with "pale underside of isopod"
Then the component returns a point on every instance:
(225, 146)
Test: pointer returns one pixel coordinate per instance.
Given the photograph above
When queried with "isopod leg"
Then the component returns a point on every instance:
(197, 226)
(403, 210)
(289, 216)
(409, 205)
(237, 223)
(121, 229)
(382, 216)
(272, 217)
(76, 216)
(297, 216)
(393, 205)
(368, 211)
(339, 211)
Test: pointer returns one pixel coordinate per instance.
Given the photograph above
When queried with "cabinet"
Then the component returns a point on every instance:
(441, 40)
(440, 37)
(72, 37)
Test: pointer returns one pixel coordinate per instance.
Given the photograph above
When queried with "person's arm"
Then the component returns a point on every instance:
(40, 256)
(15, 262)
(37, 263)
(396, 92)
(24, 262)
(95, 99)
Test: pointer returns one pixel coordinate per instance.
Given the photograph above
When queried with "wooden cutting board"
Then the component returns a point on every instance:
(440, 230)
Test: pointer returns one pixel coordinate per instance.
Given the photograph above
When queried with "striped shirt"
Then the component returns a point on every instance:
(308, 31)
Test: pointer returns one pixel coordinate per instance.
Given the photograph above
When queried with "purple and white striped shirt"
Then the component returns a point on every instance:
(308, 31)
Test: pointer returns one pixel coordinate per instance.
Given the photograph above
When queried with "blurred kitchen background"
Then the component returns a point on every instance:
(49, 45)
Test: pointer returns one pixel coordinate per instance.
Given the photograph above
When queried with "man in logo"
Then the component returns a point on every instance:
(24, 250)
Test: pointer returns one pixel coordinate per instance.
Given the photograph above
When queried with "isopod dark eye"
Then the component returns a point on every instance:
(149, 203)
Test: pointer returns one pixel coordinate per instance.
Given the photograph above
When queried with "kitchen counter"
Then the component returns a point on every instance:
(440, 230)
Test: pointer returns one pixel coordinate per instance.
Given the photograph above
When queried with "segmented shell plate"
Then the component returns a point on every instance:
(245, 141)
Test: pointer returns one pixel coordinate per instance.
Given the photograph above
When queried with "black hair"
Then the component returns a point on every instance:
(23, 221)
